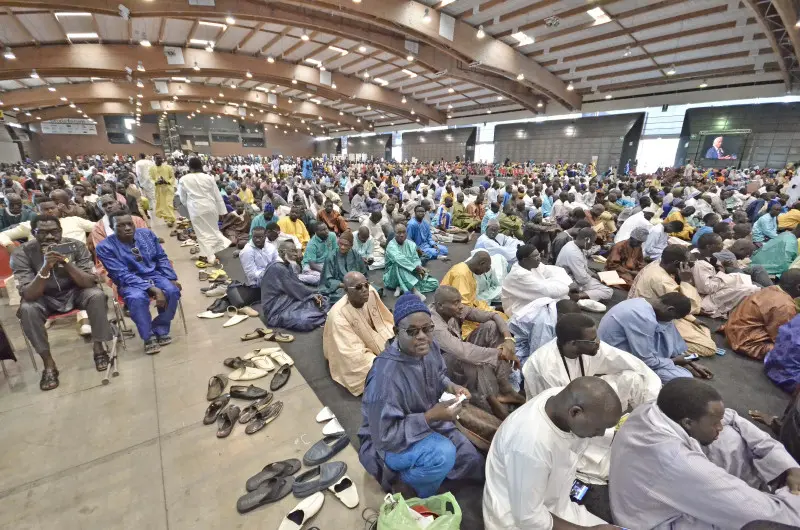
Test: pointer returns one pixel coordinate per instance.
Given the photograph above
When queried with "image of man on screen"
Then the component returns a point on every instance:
(715, 152)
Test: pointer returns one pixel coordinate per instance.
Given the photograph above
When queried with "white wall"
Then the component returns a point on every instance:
(9, 152)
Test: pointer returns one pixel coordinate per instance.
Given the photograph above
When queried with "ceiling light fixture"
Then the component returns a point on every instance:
(8, 53)
(380, 81)
(481, 33)
(248, 75)
(540, 104)
(51, 88)
(409, 73)
(63, 14)
(426, 17)
(17, 108)
(450, 90)
(139, 83)
(570, 86)
(270, 59)
(333, 86)
(599, 16)
(196, 67)
(313, 61)
(139, 96)
(403, 100)
(213, 24)
(294, 81)
(341, 51)
(63, 98)
(230, 20)
(671, 70)
(609, 96)
(489, 111)
(362, 49)
(140, 67)
(627, 52)
(703, 84)
(409, 58)
(366, 74)
(145, 43)
(522, 38)
(520, 77)
(210, 47)
(304, 36)
(89, 35)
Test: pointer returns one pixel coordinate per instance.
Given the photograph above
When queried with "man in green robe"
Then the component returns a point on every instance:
(778, 253)
(404, 271)
(510, 224)
(319, 247)
(337, 264)
(461, 218)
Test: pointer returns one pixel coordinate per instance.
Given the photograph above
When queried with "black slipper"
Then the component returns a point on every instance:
(283, 468)
(248, 392)
(226, 420)
(318, 478)
(101, 361)
(264, 417)
(281, 377)
(214, 409)
(237, 362)
(325, 449)
(216, 385)
(249, 412)
(49, 380)
(272, 490)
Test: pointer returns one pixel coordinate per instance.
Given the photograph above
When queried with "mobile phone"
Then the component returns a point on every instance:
(578, 491)
(65, 248)
(691, 357)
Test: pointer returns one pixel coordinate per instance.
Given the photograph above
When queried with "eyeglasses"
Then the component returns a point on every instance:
(136, 254)
(361, 286)
(413, 332)
(595, 342)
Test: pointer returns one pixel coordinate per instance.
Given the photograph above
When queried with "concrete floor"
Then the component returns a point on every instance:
(135, 454)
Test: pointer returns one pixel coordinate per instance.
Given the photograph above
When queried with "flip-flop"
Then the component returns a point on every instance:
(200, 264)
(325, 449)
(318, 478)
(271, 490)
(281, 377)
(280, 357)
(280, 337)
(226, 420)
(326, 414)
(210, 314)
(215, 408)
(284, 468)
(247, 392)
(345, 491)
(332, 427)
(303, 512)
(247, 373)
(256, 334)
(216, 385)
(249, 412)
(264, 417)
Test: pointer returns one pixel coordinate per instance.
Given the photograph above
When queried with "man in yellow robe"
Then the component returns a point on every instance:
(682, 216)
(356, 331)
(293, 226)
(462, 276)
(163, 177)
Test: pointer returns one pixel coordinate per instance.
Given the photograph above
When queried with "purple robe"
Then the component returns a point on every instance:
(286, 302)
(782, 364)
(398, 392)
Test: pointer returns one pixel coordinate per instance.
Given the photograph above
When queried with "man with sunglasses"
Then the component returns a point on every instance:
(52, 282)
(357, 329)
(139, 267)
(409, 441)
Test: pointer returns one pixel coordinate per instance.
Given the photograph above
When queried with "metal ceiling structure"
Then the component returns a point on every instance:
(341, 65)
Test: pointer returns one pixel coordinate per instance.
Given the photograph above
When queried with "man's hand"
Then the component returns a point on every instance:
(51, 259)
(793, 480)
(442, 411)
(420, 270)
(176, 284)
(459, 390)
(158, 294)
(318, 299)
(699, 371)
(419, 252)
(686, 276)
(507, 353)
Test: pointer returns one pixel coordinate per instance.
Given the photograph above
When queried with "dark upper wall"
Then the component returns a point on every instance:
(774, 141)
(373, 146)
(434, 145)
(569, 140)
(327, 147)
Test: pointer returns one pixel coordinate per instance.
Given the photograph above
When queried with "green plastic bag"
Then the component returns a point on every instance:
(395, 513)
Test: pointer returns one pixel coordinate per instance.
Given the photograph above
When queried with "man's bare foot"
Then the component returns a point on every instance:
(761, 417)
(498, 408)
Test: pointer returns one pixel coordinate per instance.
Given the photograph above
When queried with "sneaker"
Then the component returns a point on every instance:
(219, 290)
(164, 340)
(151, 346)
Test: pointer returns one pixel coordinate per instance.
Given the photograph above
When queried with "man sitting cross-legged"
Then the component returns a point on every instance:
(140, 269)
(481, 362)
(687, 462)
(404, 271)
(50, 282)
(256, 256)
(409, 441)
(337, 264)
(572, 258)
(357, 329)
(534, 456)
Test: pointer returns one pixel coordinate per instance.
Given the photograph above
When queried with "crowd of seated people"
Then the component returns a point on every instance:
(505, 331)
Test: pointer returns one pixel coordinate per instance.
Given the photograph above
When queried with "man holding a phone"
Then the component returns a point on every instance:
(54, 275)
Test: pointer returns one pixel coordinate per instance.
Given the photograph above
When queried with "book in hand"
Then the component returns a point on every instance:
(610, 278)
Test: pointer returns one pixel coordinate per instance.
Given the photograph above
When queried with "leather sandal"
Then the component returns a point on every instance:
(283, 468)
(49, 379)
(226, 420)
(215, 408)
(101, 361)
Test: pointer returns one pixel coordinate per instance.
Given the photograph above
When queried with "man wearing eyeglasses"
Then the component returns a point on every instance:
(357, 329)
(54, 275)
(139, 267)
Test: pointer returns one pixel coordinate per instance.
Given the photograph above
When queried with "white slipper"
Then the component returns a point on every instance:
(325, 414)
(280, 357)
(263, 362)
(188, 243)
(210, 314)
(259, 352)
(332, 427)
(246, 373)
(345, 491)
(236, 319)
(303, 512)
(591, 305)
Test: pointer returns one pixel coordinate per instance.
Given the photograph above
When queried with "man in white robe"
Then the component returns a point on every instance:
(721, 292)
(637, 220)
(142, 168)
(686, 462)
(534, 455)
(572, 259)
(199, 193)
(529, 280)
(496, 243)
